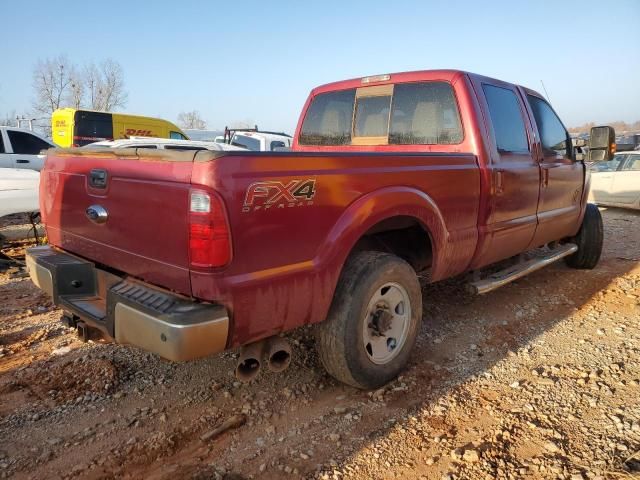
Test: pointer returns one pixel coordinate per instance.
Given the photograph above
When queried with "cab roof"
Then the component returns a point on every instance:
(448, 75)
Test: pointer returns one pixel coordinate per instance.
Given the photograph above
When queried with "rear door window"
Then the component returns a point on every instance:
(553, 136)
(328, 119)
(506, 118)
(425, 113)
(1, 143)
(26, 144)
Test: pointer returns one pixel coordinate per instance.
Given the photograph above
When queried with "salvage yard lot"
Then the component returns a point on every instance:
(536, 380)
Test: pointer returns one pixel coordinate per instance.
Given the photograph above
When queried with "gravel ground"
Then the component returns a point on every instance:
(536, 380)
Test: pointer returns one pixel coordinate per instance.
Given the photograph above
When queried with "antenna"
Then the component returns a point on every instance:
(545, 91)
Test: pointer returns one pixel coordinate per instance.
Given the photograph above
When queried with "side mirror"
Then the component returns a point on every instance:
(602, 144)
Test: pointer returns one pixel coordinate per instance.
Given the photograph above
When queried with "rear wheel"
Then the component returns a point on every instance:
(373, 322)
(589, 240)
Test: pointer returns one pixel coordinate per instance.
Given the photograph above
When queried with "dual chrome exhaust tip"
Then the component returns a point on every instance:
(274, 351)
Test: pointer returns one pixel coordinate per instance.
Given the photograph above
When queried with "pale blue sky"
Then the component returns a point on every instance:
(258, 60)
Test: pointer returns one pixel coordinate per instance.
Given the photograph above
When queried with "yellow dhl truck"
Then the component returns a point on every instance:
(76, 128)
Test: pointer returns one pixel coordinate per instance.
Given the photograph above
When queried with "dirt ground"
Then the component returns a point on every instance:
(539, 379)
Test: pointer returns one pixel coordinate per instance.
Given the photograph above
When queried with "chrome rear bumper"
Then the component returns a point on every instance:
(129, 311)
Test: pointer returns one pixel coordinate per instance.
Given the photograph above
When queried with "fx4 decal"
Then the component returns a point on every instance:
(274, 194)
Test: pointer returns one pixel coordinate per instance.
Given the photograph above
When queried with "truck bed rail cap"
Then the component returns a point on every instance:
(139, 153)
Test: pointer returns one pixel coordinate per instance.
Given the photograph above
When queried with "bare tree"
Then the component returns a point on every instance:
(191, 120)
(51, 81)
(58, 83)
(93, 85)
(246, 123)
(77, 88)
(105, 85)
(114, 94)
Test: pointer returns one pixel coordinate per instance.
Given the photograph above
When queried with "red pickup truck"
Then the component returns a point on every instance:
(444, 172)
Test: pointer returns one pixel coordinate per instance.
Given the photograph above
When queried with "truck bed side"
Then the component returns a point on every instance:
(287, 255)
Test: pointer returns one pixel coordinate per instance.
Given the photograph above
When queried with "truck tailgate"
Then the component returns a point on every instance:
(145, 197)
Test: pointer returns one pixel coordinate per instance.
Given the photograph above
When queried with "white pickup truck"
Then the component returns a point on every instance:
(21, 148)
(256, 140)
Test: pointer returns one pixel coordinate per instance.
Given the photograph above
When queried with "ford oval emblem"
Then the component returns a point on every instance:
(97, 214)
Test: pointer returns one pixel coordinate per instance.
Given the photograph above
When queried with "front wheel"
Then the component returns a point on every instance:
(589, 240)
(373, 322)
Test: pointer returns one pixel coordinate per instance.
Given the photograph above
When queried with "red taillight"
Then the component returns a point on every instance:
(209, 243)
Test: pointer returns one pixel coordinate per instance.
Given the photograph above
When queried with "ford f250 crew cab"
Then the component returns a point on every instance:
(187, 254)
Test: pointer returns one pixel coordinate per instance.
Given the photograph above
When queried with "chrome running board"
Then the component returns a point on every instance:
(519, 270)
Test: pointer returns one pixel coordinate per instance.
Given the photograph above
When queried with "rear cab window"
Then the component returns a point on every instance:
(416, 113)
(329, 118)
(371, 117)
(277, 144)
(425, 114)
(246, 141)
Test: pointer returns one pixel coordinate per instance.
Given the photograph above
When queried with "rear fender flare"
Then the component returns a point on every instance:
(373, 208)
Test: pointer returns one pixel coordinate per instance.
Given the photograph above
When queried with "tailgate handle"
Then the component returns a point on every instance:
(98, 178)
